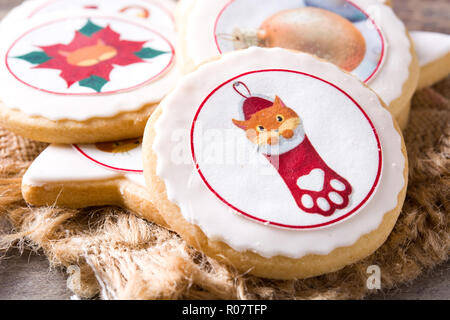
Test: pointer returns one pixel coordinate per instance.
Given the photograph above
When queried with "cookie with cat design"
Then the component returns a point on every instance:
(83, 76)
(362, 37)
(433, 51)
(79, 176)
(281, 165)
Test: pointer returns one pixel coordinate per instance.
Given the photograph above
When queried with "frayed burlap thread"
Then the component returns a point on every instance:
(113, 254)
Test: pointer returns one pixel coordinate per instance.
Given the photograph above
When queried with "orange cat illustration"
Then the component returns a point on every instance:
(90, 55)
(280, 136)
(267, 125)
(119, 146)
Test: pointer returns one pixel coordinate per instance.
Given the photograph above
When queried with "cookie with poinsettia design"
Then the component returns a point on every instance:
(363, 37)
(83, 78)
(280, 164)
(78, 176)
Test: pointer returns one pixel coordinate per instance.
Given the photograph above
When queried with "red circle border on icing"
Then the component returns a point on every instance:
(383, 45)
(172, 49)
(104, 164)
(168, 12)
(347, 215)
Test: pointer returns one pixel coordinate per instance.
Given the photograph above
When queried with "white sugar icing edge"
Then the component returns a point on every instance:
(185, 188)
(26, 8)
(430, 46)
(62, 163)
(387, 83)
(18, 96)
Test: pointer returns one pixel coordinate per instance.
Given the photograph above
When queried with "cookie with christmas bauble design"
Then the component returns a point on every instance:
(276, 162)
(84, 175)
(362, 37)
(83, 76)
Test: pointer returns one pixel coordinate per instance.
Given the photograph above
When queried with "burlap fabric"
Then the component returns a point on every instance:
(111, 252)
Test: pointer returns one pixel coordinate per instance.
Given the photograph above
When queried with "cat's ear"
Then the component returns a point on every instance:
(279, 103)
(240, 124)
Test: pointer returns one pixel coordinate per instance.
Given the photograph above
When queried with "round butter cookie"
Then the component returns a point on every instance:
(433, 51)
(363, 37)
(277, 163)
(83, 78)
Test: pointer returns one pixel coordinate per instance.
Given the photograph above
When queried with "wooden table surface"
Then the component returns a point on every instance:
(27, 275)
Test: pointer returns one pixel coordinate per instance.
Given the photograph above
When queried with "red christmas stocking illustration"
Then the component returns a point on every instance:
(278, 131)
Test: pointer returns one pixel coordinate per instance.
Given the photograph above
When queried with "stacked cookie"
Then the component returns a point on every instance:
(278, 151)
(79, 74)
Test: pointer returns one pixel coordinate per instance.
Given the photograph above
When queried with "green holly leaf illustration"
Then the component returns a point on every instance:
(35, 57)
(90, 28)
(149, 53)
(93, 82)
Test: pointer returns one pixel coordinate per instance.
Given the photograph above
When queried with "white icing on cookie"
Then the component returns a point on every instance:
(313, 181)
(199, 205)
(92, 66)
(393, 70)
(63, 163)
(430, 46)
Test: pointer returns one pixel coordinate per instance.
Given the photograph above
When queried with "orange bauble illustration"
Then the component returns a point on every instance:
(312, 30)
(119, 146)
(316, 31)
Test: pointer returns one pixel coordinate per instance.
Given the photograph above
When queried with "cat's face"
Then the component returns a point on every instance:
(268, 126)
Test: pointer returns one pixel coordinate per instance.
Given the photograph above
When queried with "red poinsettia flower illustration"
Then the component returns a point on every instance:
(91, 56)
